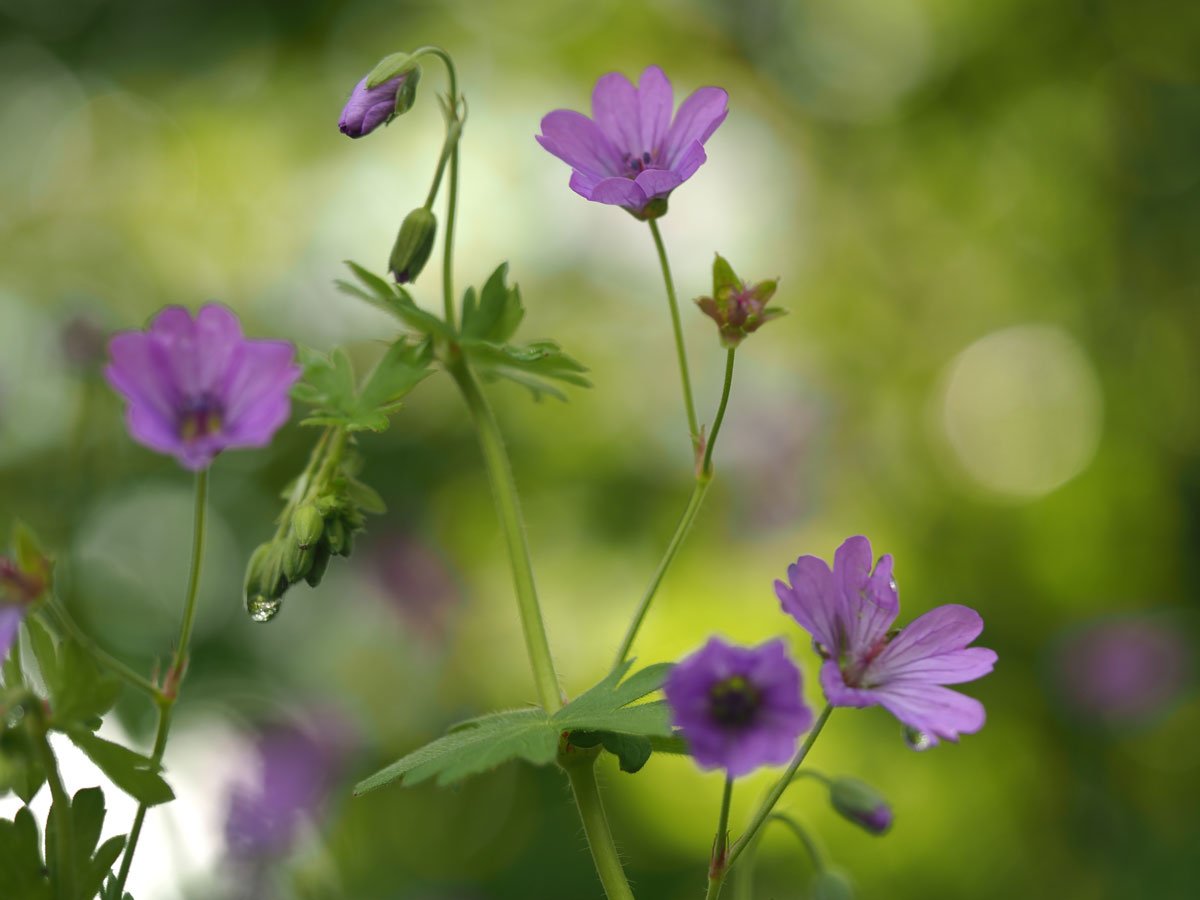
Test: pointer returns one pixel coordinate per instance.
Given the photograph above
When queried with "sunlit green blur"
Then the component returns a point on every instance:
(985, 218)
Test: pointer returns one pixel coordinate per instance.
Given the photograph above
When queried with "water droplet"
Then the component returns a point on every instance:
(14, 717)
(262, 608)
(917, 739)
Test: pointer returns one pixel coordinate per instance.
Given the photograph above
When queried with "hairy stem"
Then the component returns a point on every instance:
(677, 327)
(706, 466)
(174, 676)
(716, 867)
(508, 508)
(595, 825)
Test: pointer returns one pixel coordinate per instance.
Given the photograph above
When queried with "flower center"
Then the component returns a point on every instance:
(636, 165)
(734, 701)
(200, 419)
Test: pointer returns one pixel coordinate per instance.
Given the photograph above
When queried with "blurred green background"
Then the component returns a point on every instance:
(986, 218)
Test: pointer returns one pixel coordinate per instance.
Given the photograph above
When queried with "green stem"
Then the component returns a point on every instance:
(680, 350)
(508, 508)
(706, 467)
(681, 532)
(448, 243)
(174, 676)
(68, 625)
(806, 839)
(768, 804)
(595, 825)
(716, 867)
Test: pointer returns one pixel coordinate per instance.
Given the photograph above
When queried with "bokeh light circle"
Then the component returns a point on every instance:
(1022, 409)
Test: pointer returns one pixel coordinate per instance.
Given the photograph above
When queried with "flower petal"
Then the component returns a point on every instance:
(870, 602)
(10, 620)
(931, 649)
(616, 108)
(698, 117)
(838, 693)
(810, 599)
(139, 375)
(577, 141)
(620, 192)
(935, 710)
(255, 393)
(691, 159)
(657, 182)
(656, 101)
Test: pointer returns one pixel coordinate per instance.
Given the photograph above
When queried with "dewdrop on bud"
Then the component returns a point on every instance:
(861, 804)
(413, 245)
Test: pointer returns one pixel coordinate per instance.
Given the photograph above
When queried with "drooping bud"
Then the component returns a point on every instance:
(830, 884)
(307, 526)
(861, 804)
(376, 102)
(297, 561)
(413, 245)
(336, 535)
(738, 307)
(320, 562)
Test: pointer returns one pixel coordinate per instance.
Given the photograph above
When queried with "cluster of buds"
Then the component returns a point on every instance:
(317, 531)
(738, 307)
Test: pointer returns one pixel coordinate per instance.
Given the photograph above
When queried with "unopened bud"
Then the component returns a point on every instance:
(297, 561)
(336, 535)
(413, 245)
(831, 885)
(738, 307)
(861, 804)
(307, 526)
(256, 570)
(320, 562)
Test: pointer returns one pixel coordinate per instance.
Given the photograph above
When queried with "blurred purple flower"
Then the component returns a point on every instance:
(630, 153)
(82, 341)
(297, 768)
(417, 583)
(19, 590)
(195, 387)
(11, 615)
(368, 108)
(739, 707)
(1125, 670)
(849, 612)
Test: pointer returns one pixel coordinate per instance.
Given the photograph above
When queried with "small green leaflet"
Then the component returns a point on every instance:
(394, 300)
(601, 715)
(21, 873)
(329, 386)
(133, 773)
(79, 693)
(489, 323)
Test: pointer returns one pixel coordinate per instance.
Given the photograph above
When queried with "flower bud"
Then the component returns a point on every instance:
(320, 562)
(297, 561)
(738, 307)
(337, 536)
(861, 804)
(370, 107)
(307, 526)
(831, 885)
(413, 245)
(256, 569)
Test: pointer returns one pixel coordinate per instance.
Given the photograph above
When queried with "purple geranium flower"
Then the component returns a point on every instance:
(630, 153)
(195, 387)
(368, 108)
(849, 612)
(738, 707)
(19, 591)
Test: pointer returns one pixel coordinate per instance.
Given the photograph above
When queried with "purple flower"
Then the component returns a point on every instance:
(849, 612)
(195, 387)
(1125, 671)
(630, 153)
(738, 707)
(368, 108)
(11, 615)
(19, 590)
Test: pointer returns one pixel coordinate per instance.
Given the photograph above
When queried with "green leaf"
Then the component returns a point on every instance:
(532, 365)
(89, 865)
(631, 750)
(44, 650)
(401, 369)
(498, 313)
(329, 386)
(22, 876)
(136, 775)
(394, 300)
(675, 744)
(472, 747)
(82, 693)
(364, 497)
(21, 768)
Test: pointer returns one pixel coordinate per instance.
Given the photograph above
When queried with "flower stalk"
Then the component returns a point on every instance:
(677, 330)
(169, 692)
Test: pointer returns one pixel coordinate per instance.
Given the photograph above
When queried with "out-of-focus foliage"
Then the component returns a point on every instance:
(983, 217)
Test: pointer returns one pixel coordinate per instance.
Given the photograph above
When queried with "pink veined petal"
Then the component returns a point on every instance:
(812, 600)
(579, 142)
(616, 108)
(255, 393)
(175, 348)
(620, 192)
(148, 427)
(656, 101)
(698, 117)
(691, 159)
(584, 184)
(218, 335)
(10, 621)
(935, 710)
(941, 631)
(657, 182)
(869, 601)
(952, 667)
